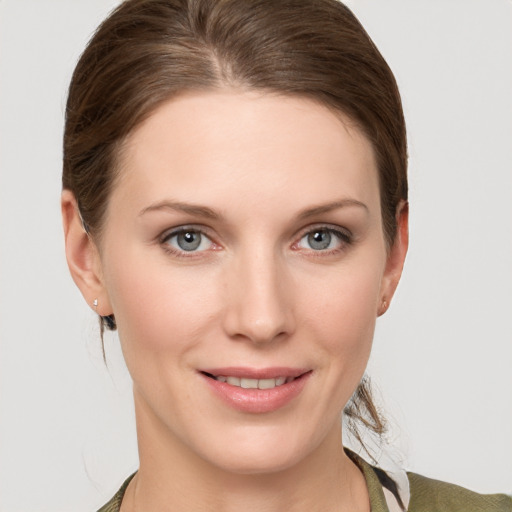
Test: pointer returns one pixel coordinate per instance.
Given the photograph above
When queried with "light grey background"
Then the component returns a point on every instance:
(443, 353)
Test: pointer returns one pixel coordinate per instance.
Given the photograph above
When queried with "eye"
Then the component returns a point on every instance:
(323, 239)
(188, 240)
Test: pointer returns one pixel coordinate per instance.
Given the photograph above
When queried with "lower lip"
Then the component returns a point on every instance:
(258, 400)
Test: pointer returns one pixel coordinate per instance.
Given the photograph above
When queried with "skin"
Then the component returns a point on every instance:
(256, 294)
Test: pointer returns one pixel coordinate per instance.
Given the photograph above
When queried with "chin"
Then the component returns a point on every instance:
(257, 464)
(263, 454)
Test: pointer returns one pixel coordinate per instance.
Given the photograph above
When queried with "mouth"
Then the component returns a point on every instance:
(250, 383)
(256, 391)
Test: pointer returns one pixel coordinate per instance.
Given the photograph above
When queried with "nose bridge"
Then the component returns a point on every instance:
(258, 307)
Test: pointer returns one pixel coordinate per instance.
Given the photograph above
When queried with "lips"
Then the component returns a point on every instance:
(247, 383)
(256, 390)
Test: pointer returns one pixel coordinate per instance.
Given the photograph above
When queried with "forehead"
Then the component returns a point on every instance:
(220, 145)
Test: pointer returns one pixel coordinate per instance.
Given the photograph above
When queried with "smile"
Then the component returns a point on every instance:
(249, 383)
(256, 391)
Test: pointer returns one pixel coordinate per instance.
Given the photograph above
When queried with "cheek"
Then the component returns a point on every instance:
(345, 307)
(159, 308)
(341, 317)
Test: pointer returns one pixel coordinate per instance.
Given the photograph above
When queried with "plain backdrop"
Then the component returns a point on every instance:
(442, 357)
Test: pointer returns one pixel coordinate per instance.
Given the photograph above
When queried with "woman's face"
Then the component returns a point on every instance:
(243, 243)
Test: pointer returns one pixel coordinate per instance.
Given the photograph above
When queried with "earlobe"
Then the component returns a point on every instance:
(396, 258)
(83, 257)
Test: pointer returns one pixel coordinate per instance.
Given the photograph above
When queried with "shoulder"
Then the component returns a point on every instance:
(114, 504)
(428, 495)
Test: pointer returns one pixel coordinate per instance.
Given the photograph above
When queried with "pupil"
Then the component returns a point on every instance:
(189, 241)
(320, 240)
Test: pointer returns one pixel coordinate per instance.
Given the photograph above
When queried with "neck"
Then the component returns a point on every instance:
(172, 477)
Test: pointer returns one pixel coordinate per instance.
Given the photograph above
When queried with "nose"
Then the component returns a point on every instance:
(258, 302)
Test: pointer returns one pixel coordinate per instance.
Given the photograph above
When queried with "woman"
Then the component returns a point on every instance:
(235, 204)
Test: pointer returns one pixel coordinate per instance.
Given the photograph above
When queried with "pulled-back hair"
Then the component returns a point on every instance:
(148, 51)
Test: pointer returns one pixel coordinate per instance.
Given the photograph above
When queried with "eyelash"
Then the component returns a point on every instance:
(344, 237)
(168, 235)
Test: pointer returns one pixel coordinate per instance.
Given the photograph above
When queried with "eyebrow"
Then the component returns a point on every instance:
(191, 209)
(208, 213)
(325, 208)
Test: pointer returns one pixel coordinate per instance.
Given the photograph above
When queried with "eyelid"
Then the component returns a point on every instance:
(344, 235)
(183, 229)
(343, 232)
(165, 236)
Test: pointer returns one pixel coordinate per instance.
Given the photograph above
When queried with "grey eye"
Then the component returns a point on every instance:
(189, 241)
(319, 240)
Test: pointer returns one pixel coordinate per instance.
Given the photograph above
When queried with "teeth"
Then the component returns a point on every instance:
(254, 383)
(266, 383)
(249, 383)
(234, 381)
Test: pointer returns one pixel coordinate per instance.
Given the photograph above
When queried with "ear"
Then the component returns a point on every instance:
(83, 257)
(396, 258)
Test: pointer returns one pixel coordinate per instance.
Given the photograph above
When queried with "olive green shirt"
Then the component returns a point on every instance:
(426, 495)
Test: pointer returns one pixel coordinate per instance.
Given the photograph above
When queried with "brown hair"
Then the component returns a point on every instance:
(148, 51)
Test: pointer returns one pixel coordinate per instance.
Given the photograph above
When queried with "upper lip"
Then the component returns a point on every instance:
(256, 373)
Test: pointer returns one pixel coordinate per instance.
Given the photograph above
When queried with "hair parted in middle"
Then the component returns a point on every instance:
(149, 51)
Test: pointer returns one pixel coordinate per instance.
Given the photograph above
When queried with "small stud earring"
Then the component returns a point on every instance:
(95, 303)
